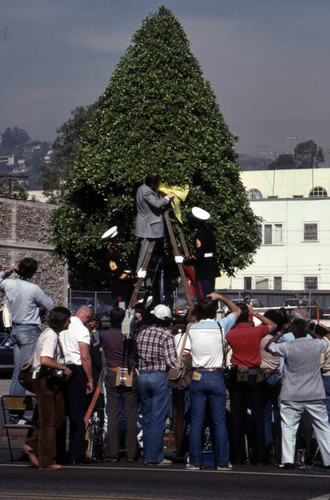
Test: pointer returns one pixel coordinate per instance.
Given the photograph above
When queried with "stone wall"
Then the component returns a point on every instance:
(25, 232)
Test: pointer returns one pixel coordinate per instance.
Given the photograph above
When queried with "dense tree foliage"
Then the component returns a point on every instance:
(283, 161)
(158, 113)
(64, 152)
(16, 142)
(12, 189)
(306, 155)
(13, 141)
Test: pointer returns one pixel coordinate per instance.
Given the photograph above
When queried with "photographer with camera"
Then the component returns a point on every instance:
(24, 299)
(50, 373)
(121, 384)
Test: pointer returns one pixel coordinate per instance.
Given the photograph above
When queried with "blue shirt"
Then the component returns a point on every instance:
(24, 300)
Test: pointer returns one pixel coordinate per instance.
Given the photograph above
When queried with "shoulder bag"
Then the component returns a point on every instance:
(25, 375)
(180, 376)
(225, 368)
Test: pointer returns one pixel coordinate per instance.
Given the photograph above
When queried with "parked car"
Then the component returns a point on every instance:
(326, 311)
(102, 309)
(255, 303)
(6, 353)
(312, 308)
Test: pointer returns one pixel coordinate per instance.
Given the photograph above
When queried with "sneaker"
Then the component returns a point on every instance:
(19, 421)
(225, 467)
(192, 467)
(163, 462)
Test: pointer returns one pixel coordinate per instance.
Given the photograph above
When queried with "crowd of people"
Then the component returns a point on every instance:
(253, 379)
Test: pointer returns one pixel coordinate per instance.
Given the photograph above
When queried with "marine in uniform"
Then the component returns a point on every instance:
(204, 256)
(122, 277)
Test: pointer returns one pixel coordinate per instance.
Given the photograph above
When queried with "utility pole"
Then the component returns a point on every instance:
(11, 177)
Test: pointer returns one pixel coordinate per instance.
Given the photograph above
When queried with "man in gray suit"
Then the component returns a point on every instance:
(149, 223)
(302, 390)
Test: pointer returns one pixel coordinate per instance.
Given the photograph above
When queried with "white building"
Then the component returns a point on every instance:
(295, 231)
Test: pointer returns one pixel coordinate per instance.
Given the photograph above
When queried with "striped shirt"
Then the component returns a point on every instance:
(302, 379)
(156, 349)
(113, 348)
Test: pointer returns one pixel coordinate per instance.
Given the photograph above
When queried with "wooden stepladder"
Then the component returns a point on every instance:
(175, 252)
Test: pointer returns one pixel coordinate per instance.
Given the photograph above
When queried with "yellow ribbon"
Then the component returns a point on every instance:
(180, 193)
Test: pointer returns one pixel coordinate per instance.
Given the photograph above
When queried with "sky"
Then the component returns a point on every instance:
(268, 62)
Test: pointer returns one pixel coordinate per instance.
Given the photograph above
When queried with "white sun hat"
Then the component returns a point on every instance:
(162, 312)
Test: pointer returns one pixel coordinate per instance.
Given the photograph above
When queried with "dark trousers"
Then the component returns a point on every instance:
(243, 394)
(75, 399)
(48, 441)
(203, 288)
(178, 398)
(130, 400)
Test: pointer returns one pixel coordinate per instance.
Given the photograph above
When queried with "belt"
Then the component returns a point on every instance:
(24, 324)
(195, 369)
(206, 255)
(269, 370)
(114, 369)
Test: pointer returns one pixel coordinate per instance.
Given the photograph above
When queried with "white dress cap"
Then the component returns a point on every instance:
(110, 233)
(199, 213)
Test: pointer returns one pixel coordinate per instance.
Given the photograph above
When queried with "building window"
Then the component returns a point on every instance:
(262, 283)
(318, 192)
(247, 283)
(277, 234)
(310, 232)
(310, 283)
(268, 234)
(277, 282)
(272, 234)
(254, 194)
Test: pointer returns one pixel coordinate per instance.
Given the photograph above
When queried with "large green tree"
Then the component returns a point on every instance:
(157, 114)
(13, 141)
(306, 155)
(64, 150)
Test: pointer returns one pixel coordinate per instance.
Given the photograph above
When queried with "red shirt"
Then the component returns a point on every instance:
(244, 340)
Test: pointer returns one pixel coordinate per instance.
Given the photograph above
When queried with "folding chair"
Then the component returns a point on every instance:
(16, 403)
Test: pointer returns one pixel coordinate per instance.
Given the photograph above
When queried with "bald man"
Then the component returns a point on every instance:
(75, 344)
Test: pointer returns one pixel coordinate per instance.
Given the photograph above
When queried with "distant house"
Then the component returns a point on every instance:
(7, 160)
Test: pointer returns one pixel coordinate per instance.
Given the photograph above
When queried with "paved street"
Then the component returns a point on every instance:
(123, 481)
(120, 481)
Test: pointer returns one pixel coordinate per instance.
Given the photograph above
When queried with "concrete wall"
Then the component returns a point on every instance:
(25, 232)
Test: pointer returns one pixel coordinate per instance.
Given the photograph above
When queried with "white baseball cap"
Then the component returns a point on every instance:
(162, 312)
(199, 213)
(110, 233)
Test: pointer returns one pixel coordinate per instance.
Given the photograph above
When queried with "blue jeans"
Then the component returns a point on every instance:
(209, 389)
(24, 338)
(155, 398)
(326, 382)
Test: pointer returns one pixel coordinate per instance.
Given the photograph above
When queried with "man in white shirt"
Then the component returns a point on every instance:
(207, 385)
(75, 344)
